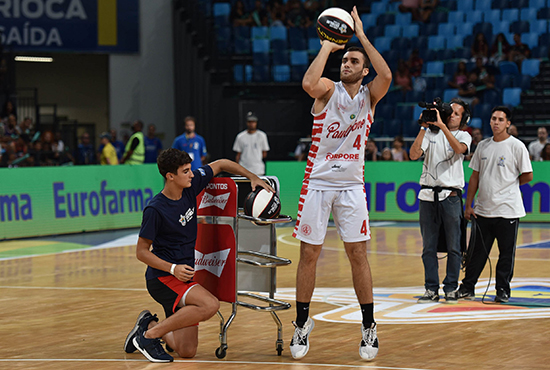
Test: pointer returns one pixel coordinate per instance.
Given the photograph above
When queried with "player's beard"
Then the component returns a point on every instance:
(351, 78)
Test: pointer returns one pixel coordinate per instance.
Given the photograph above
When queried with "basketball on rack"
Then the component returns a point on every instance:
(335, 25)
(261, 203)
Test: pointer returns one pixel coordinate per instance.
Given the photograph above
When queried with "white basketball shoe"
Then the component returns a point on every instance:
(299, 346)
(368, 348)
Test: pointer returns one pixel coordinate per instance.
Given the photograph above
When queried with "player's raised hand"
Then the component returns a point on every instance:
(332, 46)
(358, 22)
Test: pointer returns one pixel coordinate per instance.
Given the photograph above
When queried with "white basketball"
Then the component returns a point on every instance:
(261, 203)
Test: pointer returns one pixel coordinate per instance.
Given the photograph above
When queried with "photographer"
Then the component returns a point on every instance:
(443, 146)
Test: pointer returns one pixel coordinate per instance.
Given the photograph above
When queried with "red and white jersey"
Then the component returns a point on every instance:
(336, 159)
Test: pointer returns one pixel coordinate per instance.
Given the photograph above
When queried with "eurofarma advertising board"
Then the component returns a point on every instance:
(392, 189)
(56, 200)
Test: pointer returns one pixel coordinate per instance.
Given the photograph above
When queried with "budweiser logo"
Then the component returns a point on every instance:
(211, 262)
(209, 200)
(334, 129)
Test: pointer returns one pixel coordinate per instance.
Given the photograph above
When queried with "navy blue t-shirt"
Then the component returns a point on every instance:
(172, 224)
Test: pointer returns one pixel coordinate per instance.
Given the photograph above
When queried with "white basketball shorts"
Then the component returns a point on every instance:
(349, 211)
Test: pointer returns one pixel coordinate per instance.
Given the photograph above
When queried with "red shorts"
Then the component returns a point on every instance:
(169, 292)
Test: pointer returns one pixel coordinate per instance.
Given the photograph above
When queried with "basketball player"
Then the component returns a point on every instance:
(342, 116)
(170, 226)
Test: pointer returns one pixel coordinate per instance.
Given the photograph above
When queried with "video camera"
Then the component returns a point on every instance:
(429, 115)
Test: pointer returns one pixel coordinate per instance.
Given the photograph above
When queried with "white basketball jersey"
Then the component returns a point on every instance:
(336, 159)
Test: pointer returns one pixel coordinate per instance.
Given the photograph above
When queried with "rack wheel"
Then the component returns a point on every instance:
(279, 349)
(220, 352)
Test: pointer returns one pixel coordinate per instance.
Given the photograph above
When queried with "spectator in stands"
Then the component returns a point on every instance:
(108, 153)
(295, 14)
(535, 147)
(48, 154)
(276, 12)
(21, 145)
(259, 16)
(302, 149)
(386, 155)
(239, 16)
(484, 74)
(513, 130)
(427, 7)
(119, 145)
(10, 126)
(477, 136)
(519, 51)
(371, 151)
(480, 48)
(192, 143)
(61, 152)
(468, 91)
(312, 9)
(460, 77)
(251, 146)
(7, 109)
(25, 127)
(85, 153)
(134, 152)
(153, 145)
(402, 76)
(415, 63)
(398, 151)
(545, 153)
(410, 6)
(499, 49)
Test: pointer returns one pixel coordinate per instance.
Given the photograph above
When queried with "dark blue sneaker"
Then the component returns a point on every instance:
(143, 320)
(151, 348)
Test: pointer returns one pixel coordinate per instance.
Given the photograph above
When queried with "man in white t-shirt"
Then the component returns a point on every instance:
(251, 146)
(500, 165)
(440, 210)
(535, 147)
(334, 179)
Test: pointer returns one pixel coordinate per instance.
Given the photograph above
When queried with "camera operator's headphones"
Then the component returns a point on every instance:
(467, 114)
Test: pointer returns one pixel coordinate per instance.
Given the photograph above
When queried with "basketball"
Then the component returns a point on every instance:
(262, 204)
(335, 25)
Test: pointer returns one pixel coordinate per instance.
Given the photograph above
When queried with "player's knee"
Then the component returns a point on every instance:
(187, 351)
(211, 307)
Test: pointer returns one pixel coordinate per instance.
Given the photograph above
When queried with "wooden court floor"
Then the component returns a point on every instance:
(73, 309)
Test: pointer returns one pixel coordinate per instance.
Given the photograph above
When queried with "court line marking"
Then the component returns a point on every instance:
(220, 362)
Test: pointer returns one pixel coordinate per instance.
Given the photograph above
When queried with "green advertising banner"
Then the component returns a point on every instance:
(56, 200)
(392, 189)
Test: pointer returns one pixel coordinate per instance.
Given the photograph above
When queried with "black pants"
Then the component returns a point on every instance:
(505, 231)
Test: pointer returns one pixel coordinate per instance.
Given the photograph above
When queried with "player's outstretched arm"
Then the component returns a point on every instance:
(381, 83)
(312, 83)
(225, 165)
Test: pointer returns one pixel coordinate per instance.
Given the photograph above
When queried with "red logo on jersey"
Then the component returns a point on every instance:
(306, 229)
(342, 157)
(335, 133)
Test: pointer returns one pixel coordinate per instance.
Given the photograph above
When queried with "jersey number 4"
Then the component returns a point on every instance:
(357, 143)
(364, 228)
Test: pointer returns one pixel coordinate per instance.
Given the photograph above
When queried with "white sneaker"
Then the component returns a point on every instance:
(368, 348)
(299, 346)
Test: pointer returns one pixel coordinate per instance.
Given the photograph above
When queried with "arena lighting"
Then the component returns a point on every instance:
(20, 58)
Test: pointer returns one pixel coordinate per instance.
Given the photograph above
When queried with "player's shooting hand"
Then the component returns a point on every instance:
(358, 22)
(332, 46)
(184, 272)
(255, 182)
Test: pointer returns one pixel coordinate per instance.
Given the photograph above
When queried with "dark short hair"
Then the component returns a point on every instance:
(170, 160)
(503, 109)
(189, 118)
(366, 63)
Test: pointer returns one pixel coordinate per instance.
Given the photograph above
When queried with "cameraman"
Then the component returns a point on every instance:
(443, 146)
